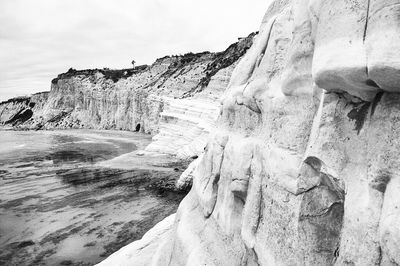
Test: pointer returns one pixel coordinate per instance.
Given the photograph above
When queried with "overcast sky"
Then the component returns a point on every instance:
(42, 38)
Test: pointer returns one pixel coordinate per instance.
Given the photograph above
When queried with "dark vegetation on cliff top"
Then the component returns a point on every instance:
(219, 60)
(22, 99)
(227, 58)
(26, 100)
(113, 74)
(222, 60)
(176, 65)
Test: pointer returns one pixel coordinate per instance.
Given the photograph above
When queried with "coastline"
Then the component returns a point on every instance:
(100, 218)
(175, 101)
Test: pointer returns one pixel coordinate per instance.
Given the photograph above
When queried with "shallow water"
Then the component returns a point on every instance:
(60, 206)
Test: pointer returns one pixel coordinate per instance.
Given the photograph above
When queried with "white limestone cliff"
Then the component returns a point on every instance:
(184, 124)
(184, 127)
(184, 89)
(302, 167)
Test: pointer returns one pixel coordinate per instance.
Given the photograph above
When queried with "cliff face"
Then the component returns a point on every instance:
(302, 167)
(19, 110)
(129, 99)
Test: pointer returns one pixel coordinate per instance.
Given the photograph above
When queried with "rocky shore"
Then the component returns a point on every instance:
(60, 204)
(176, 99)
(297, 163)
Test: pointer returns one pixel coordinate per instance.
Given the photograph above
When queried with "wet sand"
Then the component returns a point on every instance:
(60, 205)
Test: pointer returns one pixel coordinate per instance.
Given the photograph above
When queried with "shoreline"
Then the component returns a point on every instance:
(110, 221)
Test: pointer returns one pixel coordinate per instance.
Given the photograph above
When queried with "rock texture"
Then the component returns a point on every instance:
(184, 124)
(183, 89)
(19, 110)
(302, 166)
(139, 253)
(184, 127)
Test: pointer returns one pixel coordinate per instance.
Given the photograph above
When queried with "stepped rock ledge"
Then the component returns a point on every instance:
(298, 161)
(302, 166)
(176, 98)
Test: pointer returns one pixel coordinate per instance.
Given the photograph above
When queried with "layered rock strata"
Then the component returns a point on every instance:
(130, 99)
(302, 167)
(184, 124)
(19, 110)
(184, 127)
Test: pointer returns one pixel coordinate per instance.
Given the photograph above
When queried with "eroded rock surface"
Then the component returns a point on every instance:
(302, 167)
(176, 96)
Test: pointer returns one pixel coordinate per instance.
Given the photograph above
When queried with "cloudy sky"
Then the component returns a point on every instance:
(42, 38)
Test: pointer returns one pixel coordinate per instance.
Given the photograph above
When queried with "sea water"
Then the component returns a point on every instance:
(60, 206)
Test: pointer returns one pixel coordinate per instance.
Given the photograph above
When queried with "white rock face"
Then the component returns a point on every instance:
(186, 179)
(382, 44)
(302, 167)
(184, 126)
(189, 87)
(356, 46)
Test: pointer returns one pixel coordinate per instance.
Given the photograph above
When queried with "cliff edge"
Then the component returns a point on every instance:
(175, 96)
(302, 165)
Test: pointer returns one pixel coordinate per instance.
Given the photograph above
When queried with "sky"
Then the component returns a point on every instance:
(41, 38)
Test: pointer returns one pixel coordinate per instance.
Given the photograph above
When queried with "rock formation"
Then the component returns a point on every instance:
(19, 110)
(184, 127)
(302, 166)
(183, 89)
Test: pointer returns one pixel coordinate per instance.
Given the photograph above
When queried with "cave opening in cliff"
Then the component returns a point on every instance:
(137, 129)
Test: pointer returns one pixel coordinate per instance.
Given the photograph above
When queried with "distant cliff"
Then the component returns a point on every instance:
(18, 111)
(127, 99)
